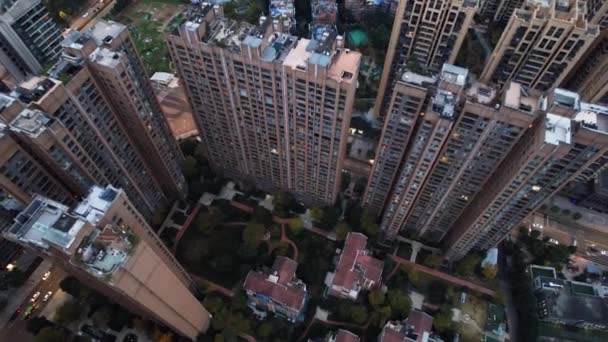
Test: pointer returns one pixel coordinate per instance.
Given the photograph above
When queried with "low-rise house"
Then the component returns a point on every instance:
(277, 290)
(357, 269)
(416, 328)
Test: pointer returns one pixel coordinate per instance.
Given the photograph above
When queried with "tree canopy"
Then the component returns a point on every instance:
(51, 334)
(376, 298)
(296, 225)
(400, 303)
(342, 230)
(467, 265)
(253, 234)
(68, 312)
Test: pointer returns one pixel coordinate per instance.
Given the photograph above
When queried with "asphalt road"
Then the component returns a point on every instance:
(93, 10)
(585, 238)
(15, 330)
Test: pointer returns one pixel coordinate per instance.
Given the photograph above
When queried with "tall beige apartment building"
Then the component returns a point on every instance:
(107, 127)
(498, 11)
(272, 109)
(590, 75)
(597, 13)
(106, 243)
(541, 44)
(425, 33)
(551, 154)
(412, 160)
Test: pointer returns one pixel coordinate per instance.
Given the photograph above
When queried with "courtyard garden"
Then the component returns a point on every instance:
(147, 20)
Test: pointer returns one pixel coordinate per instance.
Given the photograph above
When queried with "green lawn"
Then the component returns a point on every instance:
(146, 20)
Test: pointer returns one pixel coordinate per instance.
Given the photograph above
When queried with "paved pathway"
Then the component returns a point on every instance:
(284, 238)
(447, 277)
(214, 287)
(186, 225)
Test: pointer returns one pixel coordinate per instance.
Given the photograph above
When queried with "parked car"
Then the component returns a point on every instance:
(47, 296)
(35, 296)
(46, 275)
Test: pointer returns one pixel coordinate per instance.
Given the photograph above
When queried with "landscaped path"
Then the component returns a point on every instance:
(441, 275)
(186, 225)
(213, 287)
(284, 238)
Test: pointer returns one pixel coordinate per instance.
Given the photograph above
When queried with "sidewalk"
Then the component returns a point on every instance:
(590, 219)
(21, 294)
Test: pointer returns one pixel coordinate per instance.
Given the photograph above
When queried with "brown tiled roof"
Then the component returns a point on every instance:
(355, 265)
(284, 290)
(108, 235)
(410, 330)
(346, 336)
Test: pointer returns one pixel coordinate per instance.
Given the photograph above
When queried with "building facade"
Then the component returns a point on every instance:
(107, 245)
(29, 39)
(555, 151)
(425, 33)
(499, 11)
(272, 109)
(108, 138)
(541, 43)
(590, 75)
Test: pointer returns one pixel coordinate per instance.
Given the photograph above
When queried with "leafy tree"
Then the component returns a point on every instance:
(432, 260)
(345, 182)
(72, 286)
(210, 219)
(376, 298)
(102, 316)
(412, 276)
(296, 225)
(490, 271)
(213, 303)
(331, 216)
(120, 5)
(369, 225)
(218, 338)
(358, 314)
(316, 214)
(342, 230)
(566, 212)
(11, 279)
(577, 216)
(262, 215)
(535, 233)
(253, 234)
(188, 146)
(400, 303)
(265, 330)
(466, 266)
(442, 321)
(282, 202)
(35, 324)
(381, 315)
(51, 334)
(68, 312)
(555, 209)
(190, 168)
(360, 185)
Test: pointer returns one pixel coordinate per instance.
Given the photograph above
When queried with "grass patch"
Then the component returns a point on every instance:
(477, 309)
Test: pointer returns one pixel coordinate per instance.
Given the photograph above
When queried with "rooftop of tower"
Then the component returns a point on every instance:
(594, 117)
(207, 24)
(31, 122)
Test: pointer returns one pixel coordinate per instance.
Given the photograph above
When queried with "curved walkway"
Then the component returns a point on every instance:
(213, 287)
(444, 276)
(284, 238)
(186, 225)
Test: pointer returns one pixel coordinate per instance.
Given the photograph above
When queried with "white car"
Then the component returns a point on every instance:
(553, 241)
(47, 296)
(604, 252)
(35, 296)
(46, 275)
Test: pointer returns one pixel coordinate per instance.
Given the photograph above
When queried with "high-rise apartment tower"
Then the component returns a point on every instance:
(552, 153)
(105, 243)
(425, 33)
(29, 39)
(542, 42)
(273, 109)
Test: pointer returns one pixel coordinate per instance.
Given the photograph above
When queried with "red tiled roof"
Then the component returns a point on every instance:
(283, 290)
(416, 324)
(285, 269)
(354, 254)
(346, 336)
(108, 235)
(421, 321)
